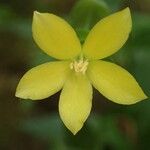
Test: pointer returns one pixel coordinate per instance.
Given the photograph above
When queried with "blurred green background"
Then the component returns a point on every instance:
(35, 125)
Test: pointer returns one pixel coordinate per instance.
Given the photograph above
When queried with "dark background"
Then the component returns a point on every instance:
(36, 125)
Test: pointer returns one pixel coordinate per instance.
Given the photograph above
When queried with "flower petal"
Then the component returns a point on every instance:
(115, 83)
(75, 102)
(55, 36)
(43, 81)
(108, 35)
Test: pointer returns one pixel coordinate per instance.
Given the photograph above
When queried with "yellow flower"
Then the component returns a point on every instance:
(80, 67)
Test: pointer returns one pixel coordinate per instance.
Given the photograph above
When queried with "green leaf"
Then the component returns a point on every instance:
(86, 13)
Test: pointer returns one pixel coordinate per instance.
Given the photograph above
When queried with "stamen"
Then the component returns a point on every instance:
(79, 66)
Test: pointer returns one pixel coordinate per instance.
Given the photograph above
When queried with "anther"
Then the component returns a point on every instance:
(79, 66)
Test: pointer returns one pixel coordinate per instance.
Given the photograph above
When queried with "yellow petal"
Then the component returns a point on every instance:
(108, 35)
(55, 36)
(43, 81)
(115, 83)
(75, 102)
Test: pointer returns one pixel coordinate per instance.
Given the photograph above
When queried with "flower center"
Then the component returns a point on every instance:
(79, 65)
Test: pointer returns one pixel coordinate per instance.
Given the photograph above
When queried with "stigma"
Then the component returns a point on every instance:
(79, 66)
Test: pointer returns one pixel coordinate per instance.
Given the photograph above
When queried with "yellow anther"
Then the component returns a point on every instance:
(79, 66)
